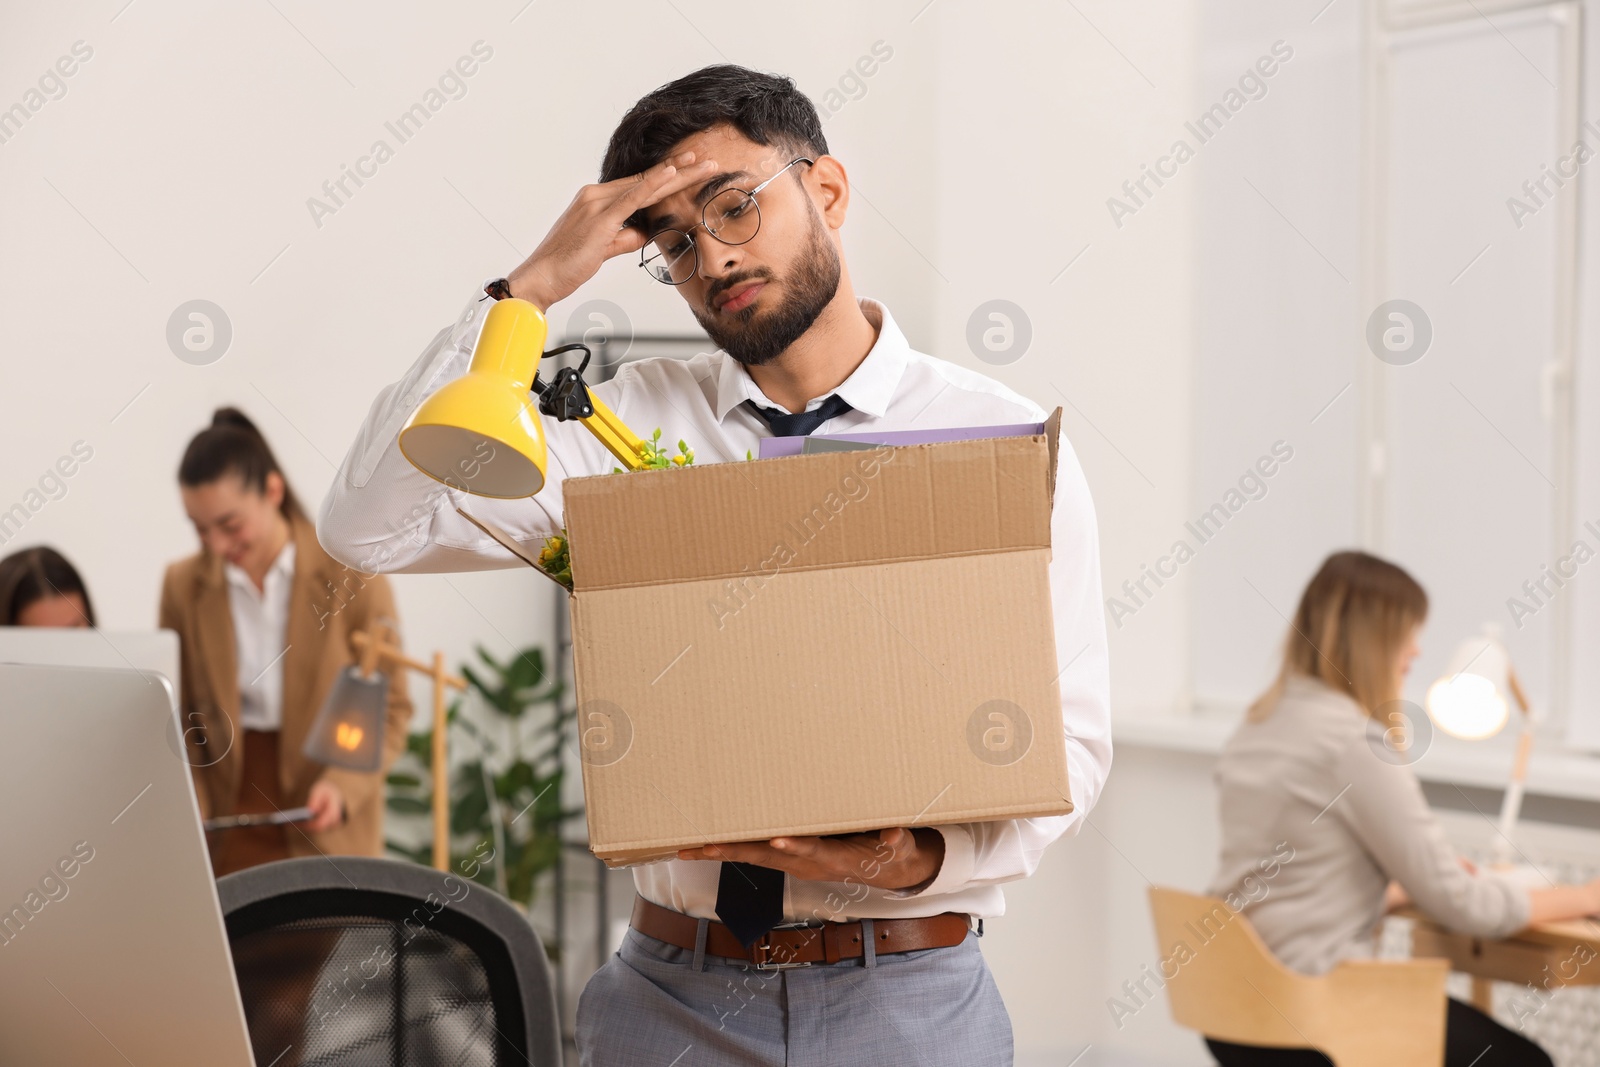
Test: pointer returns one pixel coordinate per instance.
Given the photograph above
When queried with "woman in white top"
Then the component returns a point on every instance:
(1313, 773)
(266, 621)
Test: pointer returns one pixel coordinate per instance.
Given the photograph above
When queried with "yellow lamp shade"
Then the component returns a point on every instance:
(1469, 700)
(348, 731)
(481, 433)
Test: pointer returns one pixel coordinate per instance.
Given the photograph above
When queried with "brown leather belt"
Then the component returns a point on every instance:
(795, 946)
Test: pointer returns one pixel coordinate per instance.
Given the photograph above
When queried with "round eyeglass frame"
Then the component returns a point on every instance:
(645, 255)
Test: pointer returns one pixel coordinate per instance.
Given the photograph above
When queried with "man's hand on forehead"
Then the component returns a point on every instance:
(774, 159)
(596, 227)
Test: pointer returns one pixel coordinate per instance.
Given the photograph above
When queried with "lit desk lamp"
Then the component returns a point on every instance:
(491, 405)
(348, 732)
(1469, 701)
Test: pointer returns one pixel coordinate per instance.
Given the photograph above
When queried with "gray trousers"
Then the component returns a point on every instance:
(650, 1004)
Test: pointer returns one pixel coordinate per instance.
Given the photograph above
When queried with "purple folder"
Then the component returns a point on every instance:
(772, 447)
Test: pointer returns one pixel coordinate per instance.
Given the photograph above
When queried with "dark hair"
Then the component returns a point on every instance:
(766, 108)
(233, 445)
(35, 574)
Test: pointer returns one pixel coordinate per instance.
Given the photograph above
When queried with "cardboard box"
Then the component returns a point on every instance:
(816, 644)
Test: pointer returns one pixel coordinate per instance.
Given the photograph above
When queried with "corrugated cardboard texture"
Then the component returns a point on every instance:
(725, 519)
(1052, 435)
(817, 644)
(847, 695)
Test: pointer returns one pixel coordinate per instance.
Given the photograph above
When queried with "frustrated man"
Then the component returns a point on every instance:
(721, 184)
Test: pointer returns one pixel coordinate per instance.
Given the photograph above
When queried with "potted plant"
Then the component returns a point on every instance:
(506, 789)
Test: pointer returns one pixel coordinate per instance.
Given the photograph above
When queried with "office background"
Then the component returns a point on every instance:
(1189, 323)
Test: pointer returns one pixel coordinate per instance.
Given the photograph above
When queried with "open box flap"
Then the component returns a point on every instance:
(886, 504)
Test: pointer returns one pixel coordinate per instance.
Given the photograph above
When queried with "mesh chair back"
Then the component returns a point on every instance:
(362, 962)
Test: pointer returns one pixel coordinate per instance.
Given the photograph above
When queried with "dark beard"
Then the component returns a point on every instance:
(811, 286)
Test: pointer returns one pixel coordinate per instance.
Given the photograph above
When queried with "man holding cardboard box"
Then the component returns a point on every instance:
(960, 579)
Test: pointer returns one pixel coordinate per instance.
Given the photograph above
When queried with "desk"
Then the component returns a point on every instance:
(1546, 956)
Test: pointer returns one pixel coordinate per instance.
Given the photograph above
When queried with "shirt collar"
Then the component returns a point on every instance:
(282, 565)
(870, 387)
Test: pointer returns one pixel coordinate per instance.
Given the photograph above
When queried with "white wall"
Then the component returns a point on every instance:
(179, 163)
(1041, 121)
(178, 166)
(1278, 350)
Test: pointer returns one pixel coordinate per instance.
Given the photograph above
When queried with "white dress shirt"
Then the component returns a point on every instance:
(259, 619)
(384, 514)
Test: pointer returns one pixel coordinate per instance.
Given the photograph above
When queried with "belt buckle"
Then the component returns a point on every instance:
(761, 952)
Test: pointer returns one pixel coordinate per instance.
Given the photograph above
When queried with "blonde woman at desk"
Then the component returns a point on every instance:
(264, 619)
(1308, 769)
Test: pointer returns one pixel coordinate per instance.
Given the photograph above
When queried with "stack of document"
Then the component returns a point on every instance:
(772, 447)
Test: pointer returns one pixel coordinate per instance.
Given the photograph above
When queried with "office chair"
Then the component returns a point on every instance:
(362, 962)
(1229, 986)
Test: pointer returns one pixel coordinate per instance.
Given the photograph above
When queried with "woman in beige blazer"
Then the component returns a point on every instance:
(265, 618)
(1324, 823)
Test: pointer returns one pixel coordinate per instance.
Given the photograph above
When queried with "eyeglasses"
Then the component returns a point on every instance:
(732, 217)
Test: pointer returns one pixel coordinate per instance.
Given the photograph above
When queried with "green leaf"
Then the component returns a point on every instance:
(471, 809)
(527, 671)
(475, 681)
(518, 698)
(516, 777)
(471, 729)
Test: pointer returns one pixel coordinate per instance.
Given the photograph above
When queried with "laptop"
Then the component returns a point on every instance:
(112, 945)
(149, 651)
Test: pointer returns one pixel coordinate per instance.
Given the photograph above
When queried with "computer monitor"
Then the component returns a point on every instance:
(151, 651)
(112, 944)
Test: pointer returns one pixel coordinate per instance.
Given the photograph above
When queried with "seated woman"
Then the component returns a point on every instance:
(1309, 767)
(266, 620)
(38, 587)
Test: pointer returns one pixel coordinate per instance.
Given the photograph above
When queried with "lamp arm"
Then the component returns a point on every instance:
(567, 398)
(371, 644)
(383, 651)
(619, 440)
(1511, 803)
(1517, 692)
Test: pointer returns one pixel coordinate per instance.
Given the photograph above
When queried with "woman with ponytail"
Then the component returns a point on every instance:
(265, 619)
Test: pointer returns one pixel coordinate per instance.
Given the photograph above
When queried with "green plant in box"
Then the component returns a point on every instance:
(555, 559)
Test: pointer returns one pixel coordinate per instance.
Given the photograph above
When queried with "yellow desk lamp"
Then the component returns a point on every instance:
(1470, 701)
(491, 406)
